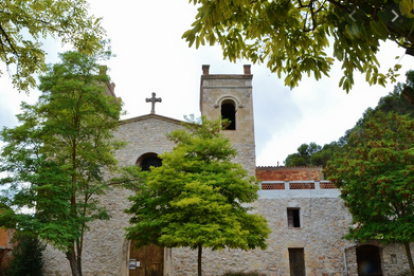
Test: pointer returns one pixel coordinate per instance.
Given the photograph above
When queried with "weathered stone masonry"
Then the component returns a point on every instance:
(106, 250)
(323, 218)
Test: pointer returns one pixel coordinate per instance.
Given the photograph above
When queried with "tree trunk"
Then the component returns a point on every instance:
(409, 257)
(79, 257)
(79, 265)
(200, 252)
(74, 265)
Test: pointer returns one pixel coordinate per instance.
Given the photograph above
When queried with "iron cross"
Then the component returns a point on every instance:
(153, 100)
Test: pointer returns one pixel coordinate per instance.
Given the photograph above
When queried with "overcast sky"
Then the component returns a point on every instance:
(152, 57)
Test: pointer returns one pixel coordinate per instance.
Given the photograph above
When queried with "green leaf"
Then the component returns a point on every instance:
(281, 35)
(406, 6)
(67, 20)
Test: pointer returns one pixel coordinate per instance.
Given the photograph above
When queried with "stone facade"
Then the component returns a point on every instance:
(106, 251)
(236, 89)
(322, 218)
(323, 248)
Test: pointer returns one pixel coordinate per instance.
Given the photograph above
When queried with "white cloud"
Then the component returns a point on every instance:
(152, 57)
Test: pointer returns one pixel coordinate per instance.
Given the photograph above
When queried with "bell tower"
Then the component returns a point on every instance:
(230, 96)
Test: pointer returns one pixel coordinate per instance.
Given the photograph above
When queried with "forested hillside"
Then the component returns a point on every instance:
(313, 154)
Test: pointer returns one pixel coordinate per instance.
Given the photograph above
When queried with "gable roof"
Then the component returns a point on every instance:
(150, 116)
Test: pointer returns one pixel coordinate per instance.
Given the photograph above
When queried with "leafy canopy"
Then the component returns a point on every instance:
(24, 23)
(293, 36)
(55, 160)
(314, 154)
(375, 175)
(303, 156)
(198, 197)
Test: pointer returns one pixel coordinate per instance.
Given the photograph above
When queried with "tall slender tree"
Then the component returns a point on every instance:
(58, 159)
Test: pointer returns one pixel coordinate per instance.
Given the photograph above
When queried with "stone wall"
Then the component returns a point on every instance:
(323, 217)
(246, 157)
(393, 259)
(105, 249)
(216, 89)
(324, 222)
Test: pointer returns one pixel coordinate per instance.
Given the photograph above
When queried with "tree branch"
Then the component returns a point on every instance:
(122, 182)
(9, 42)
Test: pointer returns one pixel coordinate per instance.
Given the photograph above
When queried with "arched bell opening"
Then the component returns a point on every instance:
(228, 111)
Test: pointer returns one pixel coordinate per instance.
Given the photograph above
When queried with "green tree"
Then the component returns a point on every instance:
(396, 101)
(327, 153)
(376, 178)
(315, 155)
(24, 22)
(303, 156)
(292, 36)
(198, 197)
(58, 160)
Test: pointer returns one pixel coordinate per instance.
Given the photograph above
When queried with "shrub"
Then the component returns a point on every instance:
(27, 258)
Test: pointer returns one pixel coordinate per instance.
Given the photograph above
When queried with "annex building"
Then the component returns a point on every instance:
(304, 211)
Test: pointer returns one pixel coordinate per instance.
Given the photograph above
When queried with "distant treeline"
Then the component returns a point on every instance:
(313, 154)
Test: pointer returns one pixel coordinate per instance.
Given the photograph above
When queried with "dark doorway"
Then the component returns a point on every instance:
(297, 262)
(150, 259)
(228, 111)
(369, 261)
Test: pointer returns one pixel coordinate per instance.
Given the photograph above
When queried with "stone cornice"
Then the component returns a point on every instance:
(150, 116)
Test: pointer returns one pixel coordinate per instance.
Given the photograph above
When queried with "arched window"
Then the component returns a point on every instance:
(228, 111)
(369, 260)
(149, 160)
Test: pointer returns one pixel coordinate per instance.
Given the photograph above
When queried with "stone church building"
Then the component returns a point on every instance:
(304, 211)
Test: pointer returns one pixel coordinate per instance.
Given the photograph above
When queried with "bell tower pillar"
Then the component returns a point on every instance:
(230, 96)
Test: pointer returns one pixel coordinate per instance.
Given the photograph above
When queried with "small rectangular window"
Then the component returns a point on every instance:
(297, 261)
(293, 215)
